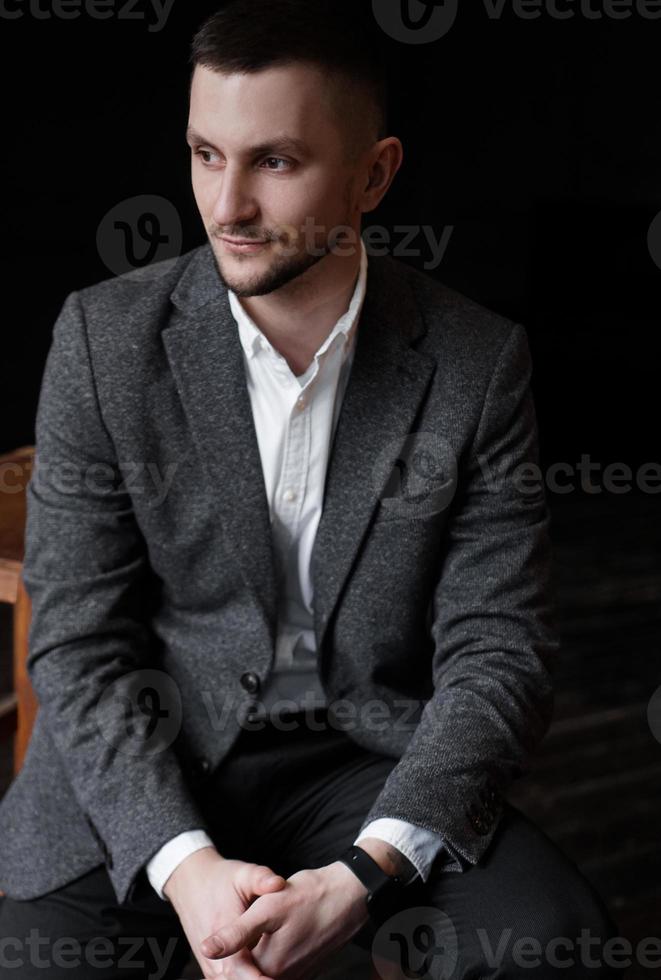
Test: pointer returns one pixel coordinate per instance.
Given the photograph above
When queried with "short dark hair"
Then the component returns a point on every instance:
(339, 37)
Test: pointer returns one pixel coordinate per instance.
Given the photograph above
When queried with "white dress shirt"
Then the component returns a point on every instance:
(295, 418)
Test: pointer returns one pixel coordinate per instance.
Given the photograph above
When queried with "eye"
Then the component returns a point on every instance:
(275, 160)
(204, 155)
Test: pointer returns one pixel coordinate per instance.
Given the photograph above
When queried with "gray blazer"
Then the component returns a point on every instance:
(154, 610)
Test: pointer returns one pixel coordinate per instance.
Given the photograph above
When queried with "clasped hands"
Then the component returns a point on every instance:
(246, 923)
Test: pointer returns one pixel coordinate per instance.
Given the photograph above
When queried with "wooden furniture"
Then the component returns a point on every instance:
(18, 708)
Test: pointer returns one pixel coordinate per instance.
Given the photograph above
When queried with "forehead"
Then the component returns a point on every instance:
(241, 108)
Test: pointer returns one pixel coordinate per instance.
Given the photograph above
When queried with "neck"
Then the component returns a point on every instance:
(299, 317)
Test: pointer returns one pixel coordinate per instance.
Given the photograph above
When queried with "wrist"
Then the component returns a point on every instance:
(354, 893)
(344, 878)
(385, 893)
(190, 869)
(389, 858)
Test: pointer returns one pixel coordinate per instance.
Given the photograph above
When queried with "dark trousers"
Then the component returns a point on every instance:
(296, 799)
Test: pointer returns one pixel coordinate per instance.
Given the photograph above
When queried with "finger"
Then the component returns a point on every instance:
(241, 966)
(256, 880)
(244, 931)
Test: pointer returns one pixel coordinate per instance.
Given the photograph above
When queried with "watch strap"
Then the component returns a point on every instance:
(367, 869)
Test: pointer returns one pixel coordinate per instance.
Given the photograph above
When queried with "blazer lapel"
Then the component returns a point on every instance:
(206, 358)
(387, 383)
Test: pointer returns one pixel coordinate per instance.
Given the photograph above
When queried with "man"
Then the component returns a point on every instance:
(342, 525)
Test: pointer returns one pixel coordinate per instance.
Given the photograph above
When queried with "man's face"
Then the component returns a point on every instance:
(269, 166)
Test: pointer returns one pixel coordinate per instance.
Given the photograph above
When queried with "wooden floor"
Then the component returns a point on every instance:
(595, 783)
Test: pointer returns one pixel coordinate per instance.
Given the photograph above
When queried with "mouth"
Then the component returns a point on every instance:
(243, 245)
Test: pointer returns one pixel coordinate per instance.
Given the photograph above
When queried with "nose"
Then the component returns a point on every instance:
(234, 204)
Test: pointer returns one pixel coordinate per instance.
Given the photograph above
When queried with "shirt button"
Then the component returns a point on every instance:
(289, 495)
(300, 403)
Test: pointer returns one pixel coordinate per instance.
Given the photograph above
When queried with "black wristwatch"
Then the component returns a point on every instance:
(384, 892)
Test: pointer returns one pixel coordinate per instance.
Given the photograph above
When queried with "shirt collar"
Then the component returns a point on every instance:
(252, 338)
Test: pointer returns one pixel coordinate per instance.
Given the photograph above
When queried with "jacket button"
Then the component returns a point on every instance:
(489, 799)
(202, 765)
(479, 820)
(250, 682)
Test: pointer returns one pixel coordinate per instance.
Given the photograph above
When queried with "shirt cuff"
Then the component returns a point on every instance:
(421, 846)
(170, 856)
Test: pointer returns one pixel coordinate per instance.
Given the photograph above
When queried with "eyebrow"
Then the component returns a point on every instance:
(278, 144)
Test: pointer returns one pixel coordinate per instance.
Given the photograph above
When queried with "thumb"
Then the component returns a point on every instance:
(263, 880)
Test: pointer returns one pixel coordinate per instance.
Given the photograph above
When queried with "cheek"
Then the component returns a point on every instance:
(310, 203)
(203, 191)
(206, 185)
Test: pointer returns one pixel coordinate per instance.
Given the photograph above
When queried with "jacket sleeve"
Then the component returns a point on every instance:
(112, 714)
(492, 626)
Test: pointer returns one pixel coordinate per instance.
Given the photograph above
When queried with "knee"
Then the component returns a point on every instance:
(576, 939)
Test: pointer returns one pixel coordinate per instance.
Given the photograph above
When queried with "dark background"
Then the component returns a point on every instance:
(540, 142)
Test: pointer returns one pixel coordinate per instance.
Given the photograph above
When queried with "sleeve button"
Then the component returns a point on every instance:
(480, 821)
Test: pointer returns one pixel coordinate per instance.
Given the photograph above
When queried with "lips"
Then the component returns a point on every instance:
(243, 246)
(244, 241)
